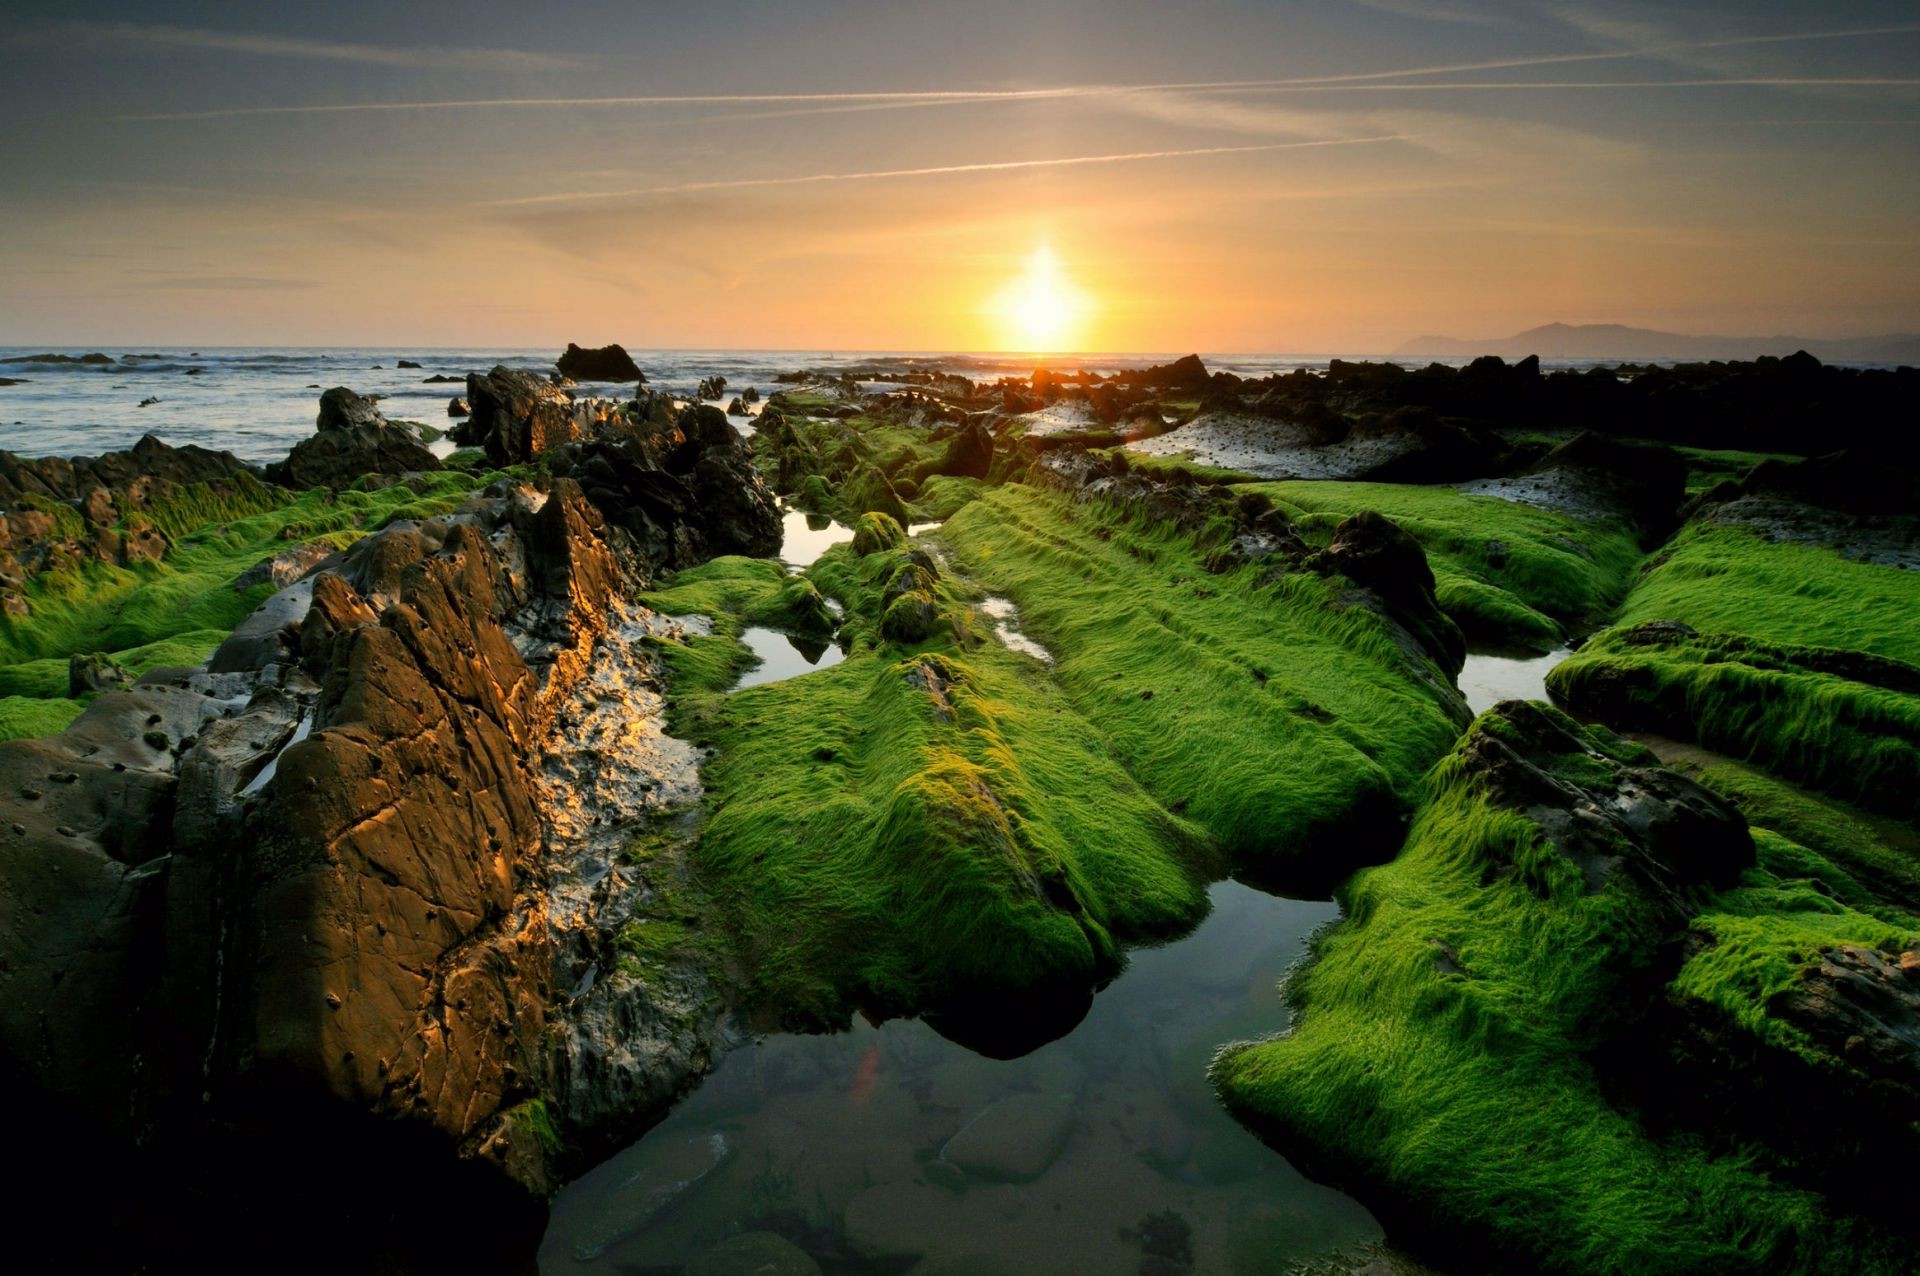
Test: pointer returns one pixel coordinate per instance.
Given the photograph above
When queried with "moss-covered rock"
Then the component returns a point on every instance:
(875, 532)
(1469, 1042)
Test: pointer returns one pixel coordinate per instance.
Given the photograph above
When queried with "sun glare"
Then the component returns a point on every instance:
(1041, 310)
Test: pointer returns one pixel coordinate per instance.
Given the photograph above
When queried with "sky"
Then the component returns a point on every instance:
(1333, 176)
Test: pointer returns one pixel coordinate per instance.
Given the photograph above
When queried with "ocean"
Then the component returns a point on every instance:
(258, 402)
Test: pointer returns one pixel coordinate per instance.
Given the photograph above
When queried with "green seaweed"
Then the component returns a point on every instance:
(1788, 709)
(148, 615)
(1255, 702)
(1506, 573)
(1443, 1051)
(1730, 580)
(29, 717)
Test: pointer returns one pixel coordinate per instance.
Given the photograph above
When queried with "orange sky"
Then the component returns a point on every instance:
(1656, 166)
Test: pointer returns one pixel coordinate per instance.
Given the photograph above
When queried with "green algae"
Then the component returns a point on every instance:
(1256, 703)
(1771, 677)
(1444, 1050)
(1730, 580)
(1791, 710)
(149, 615)
(1508, 574)
(28, 717)
(886, 830)
(1766, 934)
(1869, 863)
(1707, 467)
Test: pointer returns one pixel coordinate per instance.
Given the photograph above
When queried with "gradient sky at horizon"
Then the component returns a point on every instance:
(1315, 177)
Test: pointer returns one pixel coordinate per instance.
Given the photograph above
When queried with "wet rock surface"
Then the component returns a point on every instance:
(1667, 833)
(344, 877)
(1592, 476)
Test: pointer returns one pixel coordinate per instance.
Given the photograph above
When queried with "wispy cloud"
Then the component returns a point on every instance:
(227, 283)
(939, 170)
(1717, 82)
(283, 46)
(1429, 12)
(939, 97)
(931, 97)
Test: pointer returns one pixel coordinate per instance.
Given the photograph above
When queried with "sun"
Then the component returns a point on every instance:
(1041, 310)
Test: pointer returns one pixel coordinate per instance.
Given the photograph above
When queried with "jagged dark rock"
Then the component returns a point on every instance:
(516, 416)
(58, 512)
(1374, 552)
(683, 492)
(326, 888)
(600, 363)
(969, 453)
(351, 440)
(1671, 835)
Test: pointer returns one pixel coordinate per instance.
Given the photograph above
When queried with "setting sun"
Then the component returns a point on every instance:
(1041, 310)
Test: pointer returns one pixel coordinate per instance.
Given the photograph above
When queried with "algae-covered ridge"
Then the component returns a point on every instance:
(1481, 1043)
(1592, 1002)
(146, 615)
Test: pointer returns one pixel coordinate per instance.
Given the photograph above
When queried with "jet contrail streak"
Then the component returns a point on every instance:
(953, 96)
(938, 170)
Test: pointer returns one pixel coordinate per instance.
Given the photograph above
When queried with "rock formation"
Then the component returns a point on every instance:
(326, 882)
(602, 363)
(56, 513)
(351, 440)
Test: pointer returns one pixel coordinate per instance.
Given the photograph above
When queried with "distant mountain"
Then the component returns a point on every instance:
(1644, 345)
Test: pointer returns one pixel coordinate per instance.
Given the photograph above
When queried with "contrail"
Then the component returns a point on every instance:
(696, 99)
(1772, 81)
(1000, 166)
(961, 96)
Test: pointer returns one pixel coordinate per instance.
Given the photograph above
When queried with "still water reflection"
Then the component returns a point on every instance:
(892, 1148)
(784, 656)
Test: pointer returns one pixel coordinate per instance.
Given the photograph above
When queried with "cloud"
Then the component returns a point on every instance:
(927, 97)
(227, 283)
(1643, 47)
(1428, 12)
(282, 46)
(939, 170)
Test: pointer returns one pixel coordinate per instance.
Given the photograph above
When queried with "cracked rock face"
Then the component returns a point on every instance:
(366, 865)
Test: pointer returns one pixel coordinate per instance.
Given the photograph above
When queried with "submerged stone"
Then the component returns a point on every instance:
(1015, 1140)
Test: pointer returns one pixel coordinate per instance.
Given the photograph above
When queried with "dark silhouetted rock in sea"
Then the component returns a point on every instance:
(458, 406)
(602, 363)
(95, 358)
(406, 363)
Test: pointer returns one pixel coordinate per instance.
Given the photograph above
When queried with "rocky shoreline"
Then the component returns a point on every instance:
(446, 859)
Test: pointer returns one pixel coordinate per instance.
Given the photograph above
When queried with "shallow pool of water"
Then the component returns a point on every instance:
(784, 656)
(885, 1147)
(804, 537)
(1490, 677)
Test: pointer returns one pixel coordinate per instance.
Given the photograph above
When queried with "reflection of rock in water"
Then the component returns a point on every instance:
(810, 649)
(1048, 1157)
